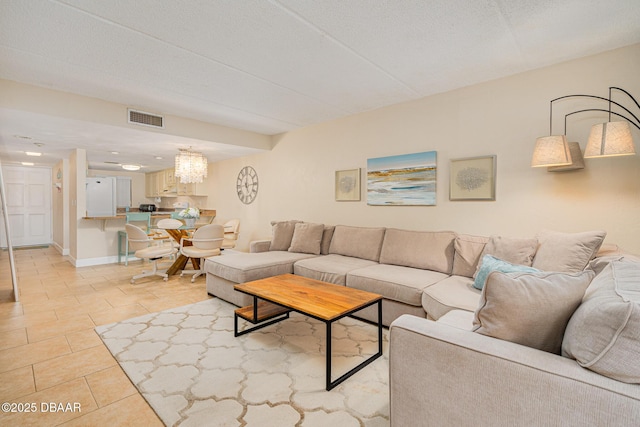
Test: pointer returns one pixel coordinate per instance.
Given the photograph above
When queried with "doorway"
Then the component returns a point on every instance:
(28, 193)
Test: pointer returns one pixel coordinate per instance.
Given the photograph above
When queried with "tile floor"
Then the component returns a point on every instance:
(49, 351)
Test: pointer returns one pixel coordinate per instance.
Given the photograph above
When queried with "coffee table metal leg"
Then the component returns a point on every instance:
(328, 369)
(331, 384)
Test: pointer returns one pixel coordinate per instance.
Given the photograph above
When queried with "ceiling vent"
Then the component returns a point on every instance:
(146, 119)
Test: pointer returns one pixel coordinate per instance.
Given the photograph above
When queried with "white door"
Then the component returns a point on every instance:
(28, 193)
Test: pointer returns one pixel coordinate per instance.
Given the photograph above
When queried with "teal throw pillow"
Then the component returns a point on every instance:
(490, 263)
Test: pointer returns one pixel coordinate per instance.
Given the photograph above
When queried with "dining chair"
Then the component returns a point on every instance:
(141, 243)
(143, 219)
(206, 242)
(231, 232)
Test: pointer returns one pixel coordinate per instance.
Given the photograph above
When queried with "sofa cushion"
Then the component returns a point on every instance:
(245, 267)
(327, 234)
(603, 334)
(531, 309)
(491, 263)
(282, 234)
(567, 252)
(329, 268)
(513, 250)
(394, 282)
(467, 252)
(307, 238)
(419, 249)
(460, 319)
(357, 242)
(455, 292)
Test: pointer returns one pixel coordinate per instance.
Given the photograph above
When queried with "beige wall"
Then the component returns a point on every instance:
(20, 96)
(501, 117)
(60, 206)
(77, 200)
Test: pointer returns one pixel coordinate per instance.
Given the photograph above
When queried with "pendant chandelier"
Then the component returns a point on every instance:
(191, 167)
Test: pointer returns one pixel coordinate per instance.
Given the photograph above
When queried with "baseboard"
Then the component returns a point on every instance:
(60, 249)
(88, 262)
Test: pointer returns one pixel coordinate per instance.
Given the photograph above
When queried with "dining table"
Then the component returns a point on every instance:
(181, 260)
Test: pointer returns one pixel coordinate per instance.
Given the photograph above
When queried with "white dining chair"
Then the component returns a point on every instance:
(205, 242)
(144, 249)
(231, 232)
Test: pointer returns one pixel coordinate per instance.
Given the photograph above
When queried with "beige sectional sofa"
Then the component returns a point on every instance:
(422, 273)
(398, 264)
(594, 381)
(463, 356)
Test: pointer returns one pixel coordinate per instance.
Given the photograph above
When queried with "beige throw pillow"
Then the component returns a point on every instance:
(326, 239)
(531, 309)
(307, 238)
(467, 251)
(282, 235)
(513, 250)
(603, 334)
(567, 252)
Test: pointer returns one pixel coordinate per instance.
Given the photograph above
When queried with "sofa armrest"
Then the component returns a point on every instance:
(259, 246)
(443, 376)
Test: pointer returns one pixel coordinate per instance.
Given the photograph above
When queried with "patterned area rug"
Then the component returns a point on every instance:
(193, 372)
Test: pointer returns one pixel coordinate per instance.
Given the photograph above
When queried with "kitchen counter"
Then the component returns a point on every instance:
(154, 215)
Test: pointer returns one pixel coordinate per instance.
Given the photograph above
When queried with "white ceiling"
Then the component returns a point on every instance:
(269, 66)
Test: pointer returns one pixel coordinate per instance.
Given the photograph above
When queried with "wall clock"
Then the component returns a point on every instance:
(247, 185)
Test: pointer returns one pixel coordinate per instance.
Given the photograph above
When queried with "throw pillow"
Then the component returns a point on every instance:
(282, 235)
(491, 263)
(467, 251)
(307, 238)
(603, 335)
(531, 309)
(513, 250)
(567, 252)
(326, 239)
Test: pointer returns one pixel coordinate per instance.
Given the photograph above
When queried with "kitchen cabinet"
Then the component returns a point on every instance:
(164, 183)
(150, 184)
(155, 184)
(190, 189)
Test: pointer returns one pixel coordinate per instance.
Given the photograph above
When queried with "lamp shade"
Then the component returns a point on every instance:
(551, 151)
(610, 139)
(577, 162)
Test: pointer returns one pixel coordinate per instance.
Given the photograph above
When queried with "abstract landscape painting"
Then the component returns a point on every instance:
(404, 180)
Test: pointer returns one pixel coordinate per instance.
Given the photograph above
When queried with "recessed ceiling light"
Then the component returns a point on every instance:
(131, 167)
(22, 137)
(27, 163)
(158, 158)
(115, 152)
(113, 163)
(33, 153)
(38, 144)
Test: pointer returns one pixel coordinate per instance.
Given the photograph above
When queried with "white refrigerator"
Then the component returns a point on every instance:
(101, 196)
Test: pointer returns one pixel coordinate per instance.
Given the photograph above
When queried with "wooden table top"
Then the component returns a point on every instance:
(323, 300)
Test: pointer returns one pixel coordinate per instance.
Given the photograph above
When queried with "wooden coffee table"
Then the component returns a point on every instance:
(275, 297)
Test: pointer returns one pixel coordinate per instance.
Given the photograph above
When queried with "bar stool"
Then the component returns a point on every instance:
(143, 219)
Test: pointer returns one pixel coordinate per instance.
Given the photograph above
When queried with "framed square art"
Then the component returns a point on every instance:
(348, 185)
(473, 178)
